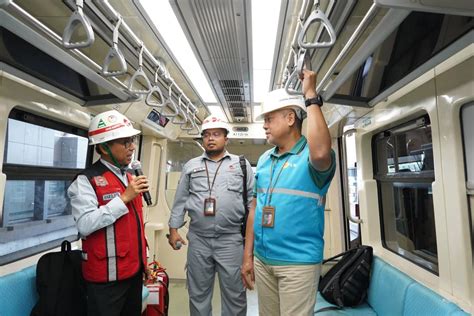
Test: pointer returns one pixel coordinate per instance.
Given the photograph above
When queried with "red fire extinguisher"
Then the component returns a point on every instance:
(157, 283)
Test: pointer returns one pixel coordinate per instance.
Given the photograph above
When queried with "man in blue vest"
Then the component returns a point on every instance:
(284, 238)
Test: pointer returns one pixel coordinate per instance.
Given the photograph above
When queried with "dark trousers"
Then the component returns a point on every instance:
(118, 298)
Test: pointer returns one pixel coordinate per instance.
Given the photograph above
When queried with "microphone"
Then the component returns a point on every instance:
(178, 243)
(137, 168)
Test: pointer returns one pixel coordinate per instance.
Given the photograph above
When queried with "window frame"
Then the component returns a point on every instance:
(30, 229)
(383, 177)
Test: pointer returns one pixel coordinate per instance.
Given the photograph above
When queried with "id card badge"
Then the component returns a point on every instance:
(268, 216)
(210, 207)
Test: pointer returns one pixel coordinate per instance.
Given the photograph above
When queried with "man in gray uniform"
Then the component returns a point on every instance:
(211, 191)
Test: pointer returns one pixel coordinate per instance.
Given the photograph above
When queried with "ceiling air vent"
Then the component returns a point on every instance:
(220, 34)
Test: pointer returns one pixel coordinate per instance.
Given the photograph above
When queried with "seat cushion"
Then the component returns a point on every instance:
(360, 310)
(18, 292)
(422, 301)
(388, 288)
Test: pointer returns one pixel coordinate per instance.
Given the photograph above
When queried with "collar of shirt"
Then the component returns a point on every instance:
(205, 156)
(295, 150)
(116, 171)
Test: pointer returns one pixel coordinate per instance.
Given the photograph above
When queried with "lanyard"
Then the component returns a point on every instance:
(215, 175)
(270, 188)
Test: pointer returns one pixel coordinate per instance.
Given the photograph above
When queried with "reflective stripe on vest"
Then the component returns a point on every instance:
(111, 254)
(311, 195)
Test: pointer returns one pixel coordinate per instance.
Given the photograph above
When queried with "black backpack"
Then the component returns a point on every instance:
(346, 283)
(60, 284)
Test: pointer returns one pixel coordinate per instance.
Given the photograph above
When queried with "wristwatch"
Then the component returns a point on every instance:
(317, 100)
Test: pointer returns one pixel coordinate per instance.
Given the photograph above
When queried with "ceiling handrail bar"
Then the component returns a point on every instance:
(191, 105)
(169, 101)
(139, 73)
(109, 11)
(317, 15)
(77, 19)
(305, 11)
(115, 52)
(155, 89)
(350, 43)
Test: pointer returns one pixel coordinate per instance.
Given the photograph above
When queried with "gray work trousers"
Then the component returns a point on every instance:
(206, 256)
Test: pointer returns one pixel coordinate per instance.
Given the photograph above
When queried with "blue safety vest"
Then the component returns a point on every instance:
(297, 235)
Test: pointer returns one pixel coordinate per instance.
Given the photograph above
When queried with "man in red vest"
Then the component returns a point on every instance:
(107, 207)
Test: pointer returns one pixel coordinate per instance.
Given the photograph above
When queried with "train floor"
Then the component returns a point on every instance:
(179, 304)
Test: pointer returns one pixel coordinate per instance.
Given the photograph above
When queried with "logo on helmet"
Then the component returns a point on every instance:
(101, 124)
(111, 118)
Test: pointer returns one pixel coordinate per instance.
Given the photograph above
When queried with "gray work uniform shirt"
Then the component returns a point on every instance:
(193, 189)
(88, 215)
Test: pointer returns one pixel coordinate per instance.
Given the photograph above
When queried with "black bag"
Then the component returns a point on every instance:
(243, 166)
(347, 282)
(60, 284)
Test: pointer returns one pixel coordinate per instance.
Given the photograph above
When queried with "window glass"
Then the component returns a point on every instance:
(41, 159)
(405, 172)
(29, 144)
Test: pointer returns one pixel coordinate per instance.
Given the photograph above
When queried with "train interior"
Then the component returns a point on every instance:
(397, 78)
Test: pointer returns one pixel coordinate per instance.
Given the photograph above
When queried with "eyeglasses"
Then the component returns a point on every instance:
(213, 134)
(127, 142)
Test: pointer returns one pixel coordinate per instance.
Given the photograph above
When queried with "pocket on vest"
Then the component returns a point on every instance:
(235, 182)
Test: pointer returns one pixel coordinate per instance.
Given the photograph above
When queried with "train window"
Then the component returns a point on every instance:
(177, 155)
(404, 172)
(41, 157)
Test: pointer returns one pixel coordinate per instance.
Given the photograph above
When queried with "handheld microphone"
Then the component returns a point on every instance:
(137, 168)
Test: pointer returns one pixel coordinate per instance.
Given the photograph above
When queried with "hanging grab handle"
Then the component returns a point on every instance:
(114, 52)
(155, 89)
(182, 114)
(187, 127)
(195, 130)
(77, 19)
(170, 103)
(304, 61)
(315, 16)
(139, 74)
(291, 82)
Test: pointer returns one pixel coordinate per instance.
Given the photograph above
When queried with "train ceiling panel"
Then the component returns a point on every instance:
(220, 34)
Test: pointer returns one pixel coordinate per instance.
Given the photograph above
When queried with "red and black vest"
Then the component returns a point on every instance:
(118, 251)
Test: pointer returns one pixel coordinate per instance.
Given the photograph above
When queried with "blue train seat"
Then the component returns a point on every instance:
(18, 293)
(392, 292)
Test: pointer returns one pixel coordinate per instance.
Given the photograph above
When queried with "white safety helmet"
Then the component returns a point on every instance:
(108, 126)
(279, 99)
(214, 122)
